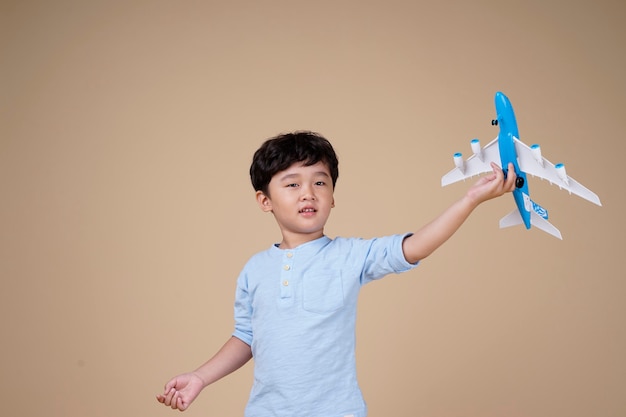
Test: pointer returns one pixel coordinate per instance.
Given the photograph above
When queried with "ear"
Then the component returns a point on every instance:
(264, 201)
(332, 205)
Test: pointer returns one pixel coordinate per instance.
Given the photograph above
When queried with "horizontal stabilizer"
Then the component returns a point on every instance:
(511, 219)
(514, 219)
(541, 223)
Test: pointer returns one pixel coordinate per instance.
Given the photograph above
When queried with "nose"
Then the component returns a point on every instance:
(307, 193)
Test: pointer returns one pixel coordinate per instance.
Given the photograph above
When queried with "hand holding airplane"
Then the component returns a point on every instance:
(507, 148)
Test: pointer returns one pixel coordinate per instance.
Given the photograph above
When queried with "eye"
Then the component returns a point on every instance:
(291, 185)
(320, 183)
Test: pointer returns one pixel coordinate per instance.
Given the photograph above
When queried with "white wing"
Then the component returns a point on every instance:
(535, 164)
(475, 164)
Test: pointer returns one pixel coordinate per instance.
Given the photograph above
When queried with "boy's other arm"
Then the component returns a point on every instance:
(424, 242)
(181, 390)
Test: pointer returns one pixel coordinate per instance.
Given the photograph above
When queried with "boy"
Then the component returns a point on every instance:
(295, 305)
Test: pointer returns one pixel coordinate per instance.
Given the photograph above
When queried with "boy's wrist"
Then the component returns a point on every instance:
(470, 201)
(198, 375)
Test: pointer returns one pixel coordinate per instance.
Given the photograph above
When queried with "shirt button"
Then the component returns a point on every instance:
(286, 267)
(289, 255)
(286, 283)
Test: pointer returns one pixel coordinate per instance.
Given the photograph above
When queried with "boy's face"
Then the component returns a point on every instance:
(300, 198)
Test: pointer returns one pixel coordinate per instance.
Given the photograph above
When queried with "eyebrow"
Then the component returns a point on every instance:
(295, 175)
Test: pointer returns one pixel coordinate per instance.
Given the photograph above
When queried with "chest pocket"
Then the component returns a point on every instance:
(322, 291)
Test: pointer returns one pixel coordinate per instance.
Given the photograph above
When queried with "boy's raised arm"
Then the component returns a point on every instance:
(181, 390)
(424, 242)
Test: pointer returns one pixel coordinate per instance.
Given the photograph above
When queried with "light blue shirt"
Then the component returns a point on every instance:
(296, 308)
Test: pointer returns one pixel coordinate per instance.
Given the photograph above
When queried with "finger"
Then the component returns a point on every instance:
(497, 174)
(511, 168)
(176, 400)
(496, 177)
(181, 406)
(511, 178)
(168, 387)
(168, 397)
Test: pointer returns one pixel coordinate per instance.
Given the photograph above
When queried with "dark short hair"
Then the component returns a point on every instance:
(280, 152)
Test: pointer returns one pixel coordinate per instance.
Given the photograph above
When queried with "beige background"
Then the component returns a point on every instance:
(126, 132)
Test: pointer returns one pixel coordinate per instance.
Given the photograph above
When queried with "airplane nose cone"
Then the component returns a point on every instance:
(501, 99)
(503, 105)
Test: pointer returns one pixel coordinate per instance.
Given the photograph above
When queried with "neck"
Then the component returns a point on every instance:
(292, 241)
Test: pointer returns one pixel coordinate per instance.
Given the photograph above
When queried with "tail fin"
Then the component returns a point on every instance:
(514, 218)
(539, 210)
(511, 219)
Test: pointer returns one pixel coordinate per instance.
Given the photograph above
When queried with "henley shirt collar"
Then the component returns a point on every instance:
(312, 246)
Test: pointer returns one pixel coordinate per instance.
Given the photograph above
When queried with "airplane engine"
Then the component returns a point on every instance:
(560, 171)
(536, 151)
(475, 143)
(458, 162)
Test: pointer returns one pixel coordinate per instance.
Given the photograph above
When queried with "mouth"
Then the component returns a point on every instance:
(307, 210)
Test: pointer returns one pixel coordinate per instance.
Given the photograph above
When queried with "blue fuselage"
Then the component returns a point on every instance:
(506, 145)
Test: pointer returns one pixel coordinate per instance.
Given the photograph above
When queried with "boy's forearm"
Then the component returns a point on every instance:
(435, 233)
(233, 355)
(424, 241)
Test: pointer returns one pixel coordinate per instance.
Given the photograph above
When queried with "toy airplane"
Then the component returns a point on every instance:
(507, 147)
